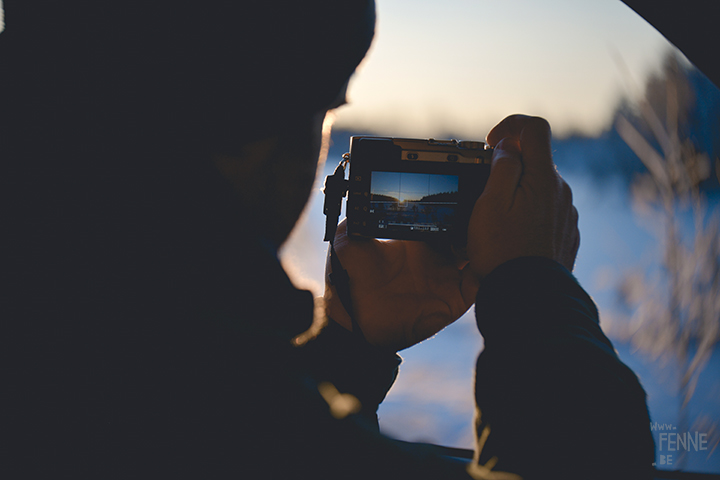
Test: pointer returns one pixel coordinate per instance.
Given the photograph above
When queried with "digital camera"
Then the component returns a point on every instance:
(414, 189)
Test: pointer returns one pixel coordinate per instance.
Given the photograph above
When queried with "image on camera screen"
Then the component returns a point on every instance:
(413, 201)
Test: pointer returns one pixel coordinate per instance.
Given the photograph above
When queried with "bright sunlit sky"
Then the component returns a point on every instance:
(459, 66)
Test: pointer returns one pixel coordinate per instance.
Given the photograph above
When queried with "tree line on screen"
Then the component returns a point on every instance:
(450, 197)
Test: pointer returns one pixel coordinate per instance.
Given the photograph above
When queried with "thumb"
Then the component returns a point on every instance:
(505, 173)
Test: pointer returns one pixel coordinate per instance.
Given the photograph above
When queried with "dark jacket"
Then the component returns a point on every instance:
(555, 398)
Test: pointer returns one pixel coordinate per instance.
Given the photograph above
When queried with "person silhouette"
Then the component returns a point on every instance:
(155, 156)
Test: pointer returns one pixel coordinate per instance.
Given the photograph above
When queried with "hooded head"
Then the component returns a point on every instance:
(116, 117)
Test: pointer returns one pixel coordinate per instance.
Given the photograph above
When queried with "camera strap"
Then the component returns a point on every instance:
(336, 187)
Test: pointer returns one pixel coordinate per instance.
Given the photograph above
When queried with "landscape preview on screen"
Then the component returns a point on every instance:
(413, 201)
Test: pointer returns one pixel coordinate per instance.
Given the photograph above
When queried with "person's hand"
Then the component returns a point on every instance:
(402, 291)
(526, 208)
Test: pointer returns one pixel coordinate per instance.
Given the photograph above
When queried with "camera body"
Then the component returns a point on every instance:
(414, 189)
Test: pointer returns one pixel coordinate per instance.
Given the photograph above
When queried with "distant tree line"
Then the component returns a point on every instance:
(376, 197)
(608, 155)
(435, 197)
(442, 197)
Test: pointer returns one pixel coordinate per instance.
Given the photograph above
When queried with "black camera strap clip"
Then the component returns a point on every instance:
(336, 187)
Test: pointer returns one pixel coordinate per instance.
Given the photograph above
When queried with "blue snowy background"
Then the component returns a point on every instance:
(433, 397)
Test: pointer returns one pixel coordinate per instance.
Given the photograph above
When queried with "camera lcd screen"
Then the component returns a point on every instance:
(420, 202)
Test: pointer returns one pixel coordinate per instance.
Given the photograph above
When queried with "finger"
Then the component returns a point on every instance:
(534, 136)
(505, 173)
(445, 253)
(340, 238)
(340, 244)
(535, 144)
(461, 256)
(343, 240)
(510, 126)
(576, 234)
(341, 229)
(570, 255)
(440, 248)
(571, 240)
(577, 243)
(469, 286)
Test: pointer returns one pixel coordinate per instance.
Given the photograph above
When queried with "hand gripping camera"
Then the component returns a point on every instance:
(409, 189)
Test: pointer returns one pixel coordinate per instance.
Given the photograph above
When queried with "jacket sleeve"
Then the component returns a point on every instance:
(352, 366)
(553, 398)
(352, 444)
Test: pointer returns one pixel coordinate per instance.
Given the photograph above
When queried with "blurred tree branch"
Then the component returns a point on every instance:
(677, 312)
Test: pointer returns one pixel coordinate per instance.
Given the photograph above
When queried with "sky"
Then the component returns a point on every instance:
(412, 186)
(460, 66)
